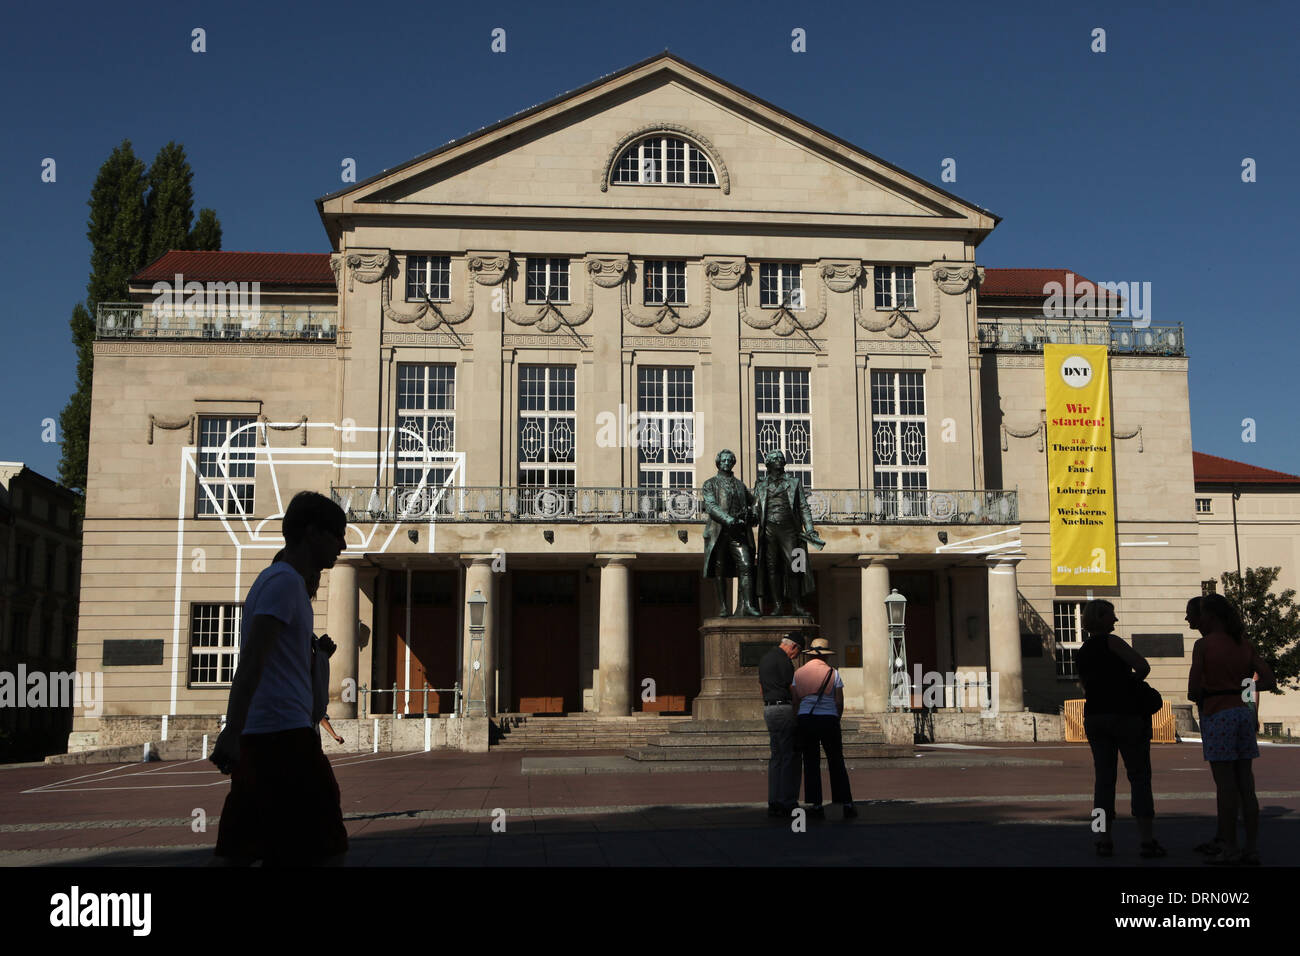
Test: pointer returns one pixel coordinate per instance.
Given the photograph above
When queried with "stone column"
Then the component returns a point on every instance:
(1004, 633)
(875, 631)
(615, 695)
(478, 576)
(341, 626)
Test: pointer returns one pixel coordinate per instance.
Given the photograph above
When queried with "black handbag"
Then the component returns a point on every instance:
(1148, 698)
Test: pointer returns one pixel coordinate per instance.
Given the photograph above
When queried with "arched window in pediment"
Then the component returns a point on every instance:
(664, 159)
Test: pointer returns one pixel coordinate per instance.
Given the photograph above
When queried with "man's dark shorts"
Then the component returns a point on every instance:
(283, 806)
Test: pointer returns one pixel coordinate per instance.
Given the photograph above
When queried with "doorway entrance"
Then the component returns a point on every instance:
(544, 642)
(666, 638)
(429, 652)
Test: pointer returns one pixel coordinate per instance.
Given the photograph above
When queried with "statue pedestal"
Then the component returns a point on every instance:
(729, 688)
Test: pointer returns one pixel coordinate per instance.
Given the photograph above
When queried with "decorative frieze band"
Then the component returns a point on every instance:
(698, 343)
(429, 340)
(894, 347)
(525, 340)
(756, 344)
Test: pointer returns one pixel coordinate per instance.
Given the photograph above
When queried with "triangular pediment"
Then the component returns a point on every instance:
(561, 155)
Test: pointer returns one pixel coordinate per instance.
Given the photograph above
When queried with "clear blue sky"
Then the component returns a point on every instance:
(1121, 166)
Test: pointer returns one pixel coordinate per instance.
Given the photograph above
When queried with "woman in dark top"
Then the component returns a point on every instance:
(1226, 673)
(1116, 723)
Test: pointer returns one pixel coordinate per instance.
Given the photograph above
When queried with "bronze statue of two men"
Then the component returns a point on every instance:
(778, 508)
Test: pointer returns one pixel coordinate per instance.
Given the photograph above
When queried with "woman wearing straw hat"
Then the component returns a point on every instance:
(819, 702)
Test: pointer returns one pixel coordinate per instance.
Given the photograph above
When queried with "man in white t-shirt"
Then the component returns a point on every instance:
(283, 805)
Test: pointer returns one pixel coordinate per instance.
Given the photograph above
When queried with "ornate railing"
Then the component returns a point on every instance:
(1031, 334)
(655, 506)
(121, 320)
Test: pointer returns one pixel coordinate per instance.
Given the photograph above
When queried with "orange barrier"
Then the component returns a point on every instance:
(1162, 724)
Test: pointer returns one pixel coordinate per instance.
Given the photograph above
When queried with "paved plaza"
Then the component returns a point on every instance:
(1003, 805)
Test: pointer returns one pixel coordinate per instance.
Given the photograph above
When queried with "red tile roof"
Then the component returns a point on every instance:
(1024, 283)
(1211, 469)
(268, 268)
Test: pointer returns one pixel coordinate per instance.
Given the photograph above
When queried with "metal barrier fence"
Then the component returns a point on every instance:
(367, 709)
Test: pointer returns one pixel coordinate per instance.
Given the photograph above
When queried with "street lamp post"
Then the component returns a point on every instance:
(476, 692)
(900, 697)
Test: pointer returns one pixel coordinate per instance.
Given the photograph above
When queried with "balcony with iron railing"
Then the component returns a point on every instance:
(134, 320)
(1121, 338)
(523, 504)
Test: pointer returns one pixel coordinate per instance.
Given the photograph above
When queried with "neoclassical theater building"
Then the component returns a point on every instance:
(514, 369)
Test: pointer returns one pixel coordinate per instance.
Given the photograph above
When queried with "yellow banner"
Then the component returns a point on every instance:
(1080, 468)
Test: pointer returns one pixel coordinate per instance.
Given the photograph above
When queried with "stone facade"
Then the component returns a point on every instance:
(542, 186)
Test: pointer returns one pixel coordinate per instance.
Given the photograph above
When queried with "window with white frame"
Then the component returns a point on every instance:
(665, 282)
(898, 442)
(894, 287)
(428, 277)
(780, 284)
(1068, 625)
(227, 452)
(547, 280)
(665, 412)
(783, 403)
(664, 161)
(547, 427)
(426, 430)
(214, 643)
(1203, 506)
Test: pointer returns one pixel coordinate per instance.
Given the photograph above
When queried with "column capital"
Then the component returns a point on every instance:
(882, 558)
(608, 559)
(998, 560)
(477, 560)
(351, 563)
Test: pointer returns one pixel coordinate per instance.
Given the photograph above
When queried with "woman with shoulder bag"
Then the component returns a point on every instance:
(818, 694)
(1117, 719)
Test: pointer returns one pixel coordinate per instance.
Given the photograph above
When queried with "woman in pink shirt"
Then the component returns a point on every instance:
(1226, 674)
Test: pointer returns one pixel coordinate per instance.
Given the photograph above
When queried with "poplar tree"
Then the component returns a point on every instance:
(169, 207)
(116, 231)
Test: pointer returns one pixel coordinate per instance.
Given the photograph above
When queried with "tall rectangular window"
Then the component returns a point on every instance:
(227, 450)
(426, 430)
(547, 430)
(547, 279)
(900, 462)
(665, 411)
(895, 288)
(214, 643)
(780, 284)
(665, 282)
(1068, 624)
(428, 277)
(783, 402)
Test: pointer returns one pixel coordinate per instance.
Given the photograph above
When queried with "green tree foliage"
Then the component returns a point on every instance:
(117, 227)
(1272, 620)
(135, 217)
(206, 235)
(116, 230)
(169, 208)
(74, 420)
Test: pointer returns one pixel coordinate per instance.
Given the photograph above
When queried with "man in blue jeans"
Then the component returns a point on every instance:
(775, 674)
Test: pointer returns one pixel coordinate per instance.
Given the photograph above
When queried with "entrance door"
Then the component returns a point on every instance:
(430, 653)
(544, 642)
(919, 635)
(666, 635)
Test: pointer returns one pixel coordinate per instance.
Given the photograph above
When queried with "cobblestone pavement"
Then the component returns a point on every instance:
(1017, 805)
